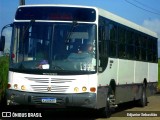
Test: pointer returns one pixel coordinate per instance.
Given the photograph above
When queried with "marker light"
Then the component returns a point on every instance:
(23, 87)
(9, 85)
(15, 86)
(76, 89)
(13, 55)
(84, 89)
(92, 89)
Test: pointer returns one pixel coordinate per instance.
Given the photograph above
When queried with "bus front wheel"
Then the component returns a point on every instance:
(107, 110)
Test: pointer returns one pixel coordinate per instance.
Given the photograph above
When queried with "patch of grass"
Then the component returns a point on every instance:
(4, 62)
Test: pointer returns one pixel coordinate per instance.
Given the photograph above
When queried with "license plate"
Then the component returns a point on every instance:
(48, 100)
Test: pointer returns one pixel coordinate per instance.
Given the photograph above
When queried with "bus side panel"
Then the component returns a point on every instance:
(151, 88)
(153, 72)
(129, 92)
(125, 72)
(125, 89)
(104, 79)
(102, 96)
(152, 78)
(129, 76)
(141, 71)
(109, 73)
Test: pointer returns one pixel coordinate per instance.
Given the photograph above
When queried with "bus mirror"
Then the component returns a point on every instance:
(2, 38)
(2, 43)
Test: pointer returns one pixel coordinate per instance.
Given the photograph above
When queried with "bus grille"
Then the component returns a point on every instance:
(50, 85)
(46, 88)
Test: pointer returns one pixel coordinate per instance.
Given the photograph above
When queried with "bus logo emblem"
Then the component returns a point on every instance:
(49, 89)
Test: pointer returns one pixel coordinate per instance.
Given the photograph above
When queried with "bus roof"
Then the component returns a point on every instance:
(125, 22)
(107, 15)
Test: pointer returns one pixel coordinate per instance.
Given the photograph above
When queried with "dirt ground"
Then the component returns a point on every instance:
(131, 112)
(125, 111)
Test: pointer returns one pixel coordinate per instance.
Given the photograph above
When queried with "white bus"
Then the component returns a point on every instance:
(51, 66)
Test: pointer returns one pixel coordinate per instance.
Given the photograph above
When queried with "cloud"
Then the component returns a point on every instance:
(154, 25)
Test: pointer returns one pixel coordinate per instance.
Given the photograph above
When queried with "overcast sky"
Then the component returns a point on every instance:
(143, 12)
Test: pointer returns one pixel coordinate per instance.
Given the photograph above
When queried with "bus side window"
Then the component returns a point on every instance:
(103, 43)
(137, 47)
(155, 53)
(122, 42)
(130, 44)
(152, 50)
(143, 48)
(112, 40)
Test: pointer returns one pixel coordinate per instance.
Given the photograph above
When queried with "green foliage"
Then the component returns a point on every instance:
(4, 62)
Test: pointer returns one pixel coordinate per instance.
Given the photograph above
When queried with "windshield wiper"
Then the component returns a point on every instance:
(74, 25)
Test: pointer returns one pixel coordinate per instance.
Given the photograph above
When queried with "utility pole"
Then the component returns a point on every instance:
(21, 2)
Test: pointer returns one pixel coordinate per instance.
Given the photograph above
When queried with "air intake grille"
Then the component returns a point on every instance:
(50, 85)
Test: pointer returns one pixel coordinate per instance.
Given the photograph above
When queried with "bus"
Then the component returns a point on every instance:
(50, 64)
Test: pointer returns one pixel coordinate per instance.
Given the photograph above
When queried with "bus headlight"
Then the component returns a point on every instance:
(23, 87)
(84, 89)
(15, 86)
(76, 89)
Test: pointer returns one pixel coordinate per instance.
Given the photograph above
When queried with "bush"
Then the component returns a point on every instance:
(4, 62)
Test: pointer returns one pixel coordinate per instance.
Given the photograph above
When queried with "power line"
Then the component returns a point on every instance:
(142, 8)
(157, 11)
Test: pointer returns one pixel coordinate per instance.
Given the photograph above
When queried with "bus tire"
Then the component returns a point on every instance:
(107, 111)
(143, 99)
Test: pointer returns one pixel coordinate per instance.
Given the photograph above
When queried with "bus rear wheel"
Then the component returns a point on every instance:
(143, 99)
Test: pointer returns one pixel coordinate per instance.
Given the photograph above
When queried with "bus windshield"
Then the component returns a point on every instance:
(53, 46)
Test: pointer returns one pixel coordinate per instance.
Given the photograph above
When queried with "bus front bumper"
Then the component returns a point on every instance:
(87, 100)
